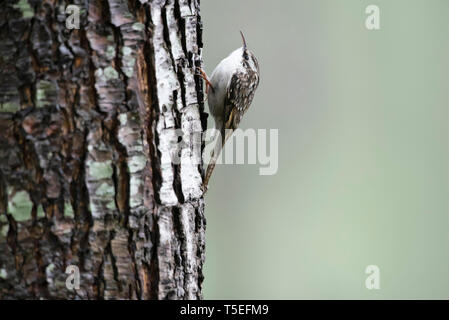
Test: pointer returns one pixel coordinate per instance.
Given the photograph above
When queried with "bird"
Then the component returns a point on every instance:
(230, 92)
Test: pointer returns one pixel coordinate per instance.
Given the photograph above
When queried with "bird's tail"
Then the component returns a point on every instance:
(215, 154)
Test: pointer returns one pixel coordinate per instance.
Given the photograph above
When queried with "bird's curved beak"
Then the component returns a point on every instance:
(244, 41)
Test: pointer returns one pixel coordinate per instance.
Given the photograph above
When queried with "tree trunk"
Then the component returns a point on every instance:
(88, 141)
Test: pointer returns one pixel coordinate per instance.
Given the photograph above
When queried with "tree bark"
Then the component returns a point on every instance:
(88, 123)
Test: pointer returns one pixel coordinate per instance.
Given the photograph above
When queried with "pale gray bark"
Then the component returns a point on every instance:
(87, 126)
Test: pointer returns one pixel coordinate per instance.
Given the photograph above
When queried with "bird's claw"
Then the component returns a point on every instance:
(200, 72)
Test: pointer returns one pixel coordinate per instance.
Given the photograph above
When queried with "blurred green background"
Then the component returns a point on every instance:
(363, 152)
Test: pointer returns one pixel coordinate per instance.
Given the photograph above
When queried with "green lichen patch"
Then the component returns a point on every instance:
(123, 118)
(128, 66)
(105, 191)
(9, 107)
(138, 26)
(4, 231)
(50, 268)
(128, 61)
(110, 52)
(68, 210)
(128, 15)
(126, 51)
(46, 93)
(99, 74)
(40, 212)
(110, 73)
(25, 8)
(111, 205)
(20, 206)
(95, 210)
(100, 170)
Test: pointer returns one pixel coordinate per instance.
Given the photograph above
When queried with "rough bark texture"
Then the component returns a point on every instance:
(87, 135)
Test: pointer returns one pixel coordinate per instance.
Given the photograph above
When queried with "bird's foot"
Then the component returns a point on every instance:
(202, 74)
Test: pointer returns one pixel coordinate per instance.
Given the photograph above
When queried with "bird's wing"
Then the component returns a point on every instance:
(239, 95)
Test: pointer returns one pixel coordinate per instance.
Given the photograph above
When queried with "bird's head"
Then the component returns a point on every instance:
(248, 58)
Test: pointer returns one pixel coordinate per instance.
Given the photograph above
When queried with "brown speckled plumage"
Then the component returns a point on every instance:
(240, 95)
